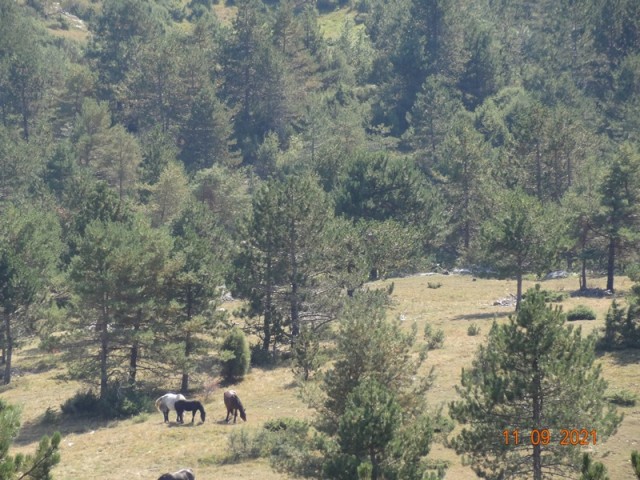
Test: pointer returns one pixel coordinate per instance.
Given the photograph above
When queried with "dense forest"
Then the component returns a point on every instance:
(156, 156)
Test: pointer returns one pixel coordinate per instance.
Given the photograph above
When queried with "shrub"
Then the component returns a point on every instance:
(434, 285)
(552, 296)
(635, 462)
(581, 312)
(473, 330)
(286, 424)
(235, 355)
(624, 398)
(81, 403)
(260, 357)
(434, 339)
(278, 438)
(117, 403)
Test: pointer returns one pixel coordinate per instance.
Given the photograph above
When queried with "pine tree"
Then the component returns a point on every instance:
(522, 236)
(34, 467)
(117, 276)
(30, 249)
(202, 250)
(373, 412)
(535, 374)
(206, 134)
(621, 200)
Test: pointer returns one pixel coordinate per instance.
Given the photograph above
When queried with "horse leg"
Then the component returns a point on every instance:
(228, 413)
(193, 416)
(235, 415)
(166, 416)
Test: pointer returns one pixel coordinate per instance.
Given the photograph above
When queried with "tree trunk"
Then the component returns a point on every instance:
(268, 311)
(583, 275)
(188, 343)
(104, 350)
(135, 349)
(537, 420)
(611, 263)
(188, 348)
(9, 349)
(518, 289)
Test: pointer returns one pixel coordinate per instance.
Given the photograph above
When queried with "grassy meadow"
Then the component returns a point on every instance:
(144, 447)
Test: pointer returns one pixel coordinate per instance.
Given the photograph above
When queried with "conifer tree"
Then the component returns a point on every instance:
(34, 467)
(30, 249)
(534, 375)
(201, 249)
(521, 237)
(621, 202)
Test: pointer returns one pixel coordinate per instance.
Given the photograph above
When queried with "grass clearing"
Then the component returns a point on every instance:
(144, 447)
(331, 23)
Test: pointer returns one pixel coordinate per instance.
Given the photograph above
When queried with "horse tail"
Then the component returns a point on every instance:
(158, 403)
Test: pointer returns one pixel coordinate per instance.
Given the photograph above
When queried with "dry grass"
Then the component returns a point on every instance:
(461, 301)
(144, 447)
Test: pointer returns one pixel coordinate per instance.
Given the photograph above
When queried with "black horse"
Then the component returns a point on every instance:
(184, 474)
(233, 404)
(192, 406)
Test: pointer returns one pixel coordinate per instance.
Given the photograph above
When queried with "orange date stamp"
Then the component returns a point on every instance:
(567, 437)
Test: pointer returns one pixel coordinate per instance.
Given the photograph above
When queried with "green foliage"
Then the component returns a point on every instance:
(238, 356)
(473, 330)
(434, 339)
(592, 470)
(621, 328)
(624, 398)
(551, 296)
(291, 262)
(30, 249)
(521, 237)
(635, 462)
(620, 201)
(381, 187)
(36, 467)
(557, 384)
(306, 354)
(370, 346)
(581, 312)
(206, 133)
(118, 277)
(117, 403)
(282, 440)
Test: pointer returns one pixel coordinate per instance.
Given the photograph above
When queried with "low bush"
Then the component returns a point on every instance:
(624, 398)
(434, 285)
(473, 330)
(236, 355)
(434, 339)
(581, 312)
(117, 403)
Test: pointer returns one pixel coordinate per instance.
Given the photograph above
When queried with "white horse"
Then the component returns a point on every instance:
(167, 402)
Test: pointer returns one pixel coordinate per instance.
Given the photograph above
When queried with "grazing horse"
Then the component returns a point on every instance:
(167, 402)
(184, 474)
(233, 404)
(192, 406)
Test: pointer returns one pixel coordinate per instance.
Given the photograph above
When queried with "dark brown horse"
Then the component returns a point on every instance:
(184, 474)
(233, 404)
(192, 406)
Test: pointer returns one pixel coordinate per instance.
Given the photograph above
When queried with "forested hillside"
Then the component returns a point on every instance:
(159, 156)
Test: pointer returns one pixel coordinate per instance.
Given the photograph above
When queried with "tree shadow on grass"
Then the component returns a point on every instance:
(47, 423)
(485, 316)
(623, 358)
